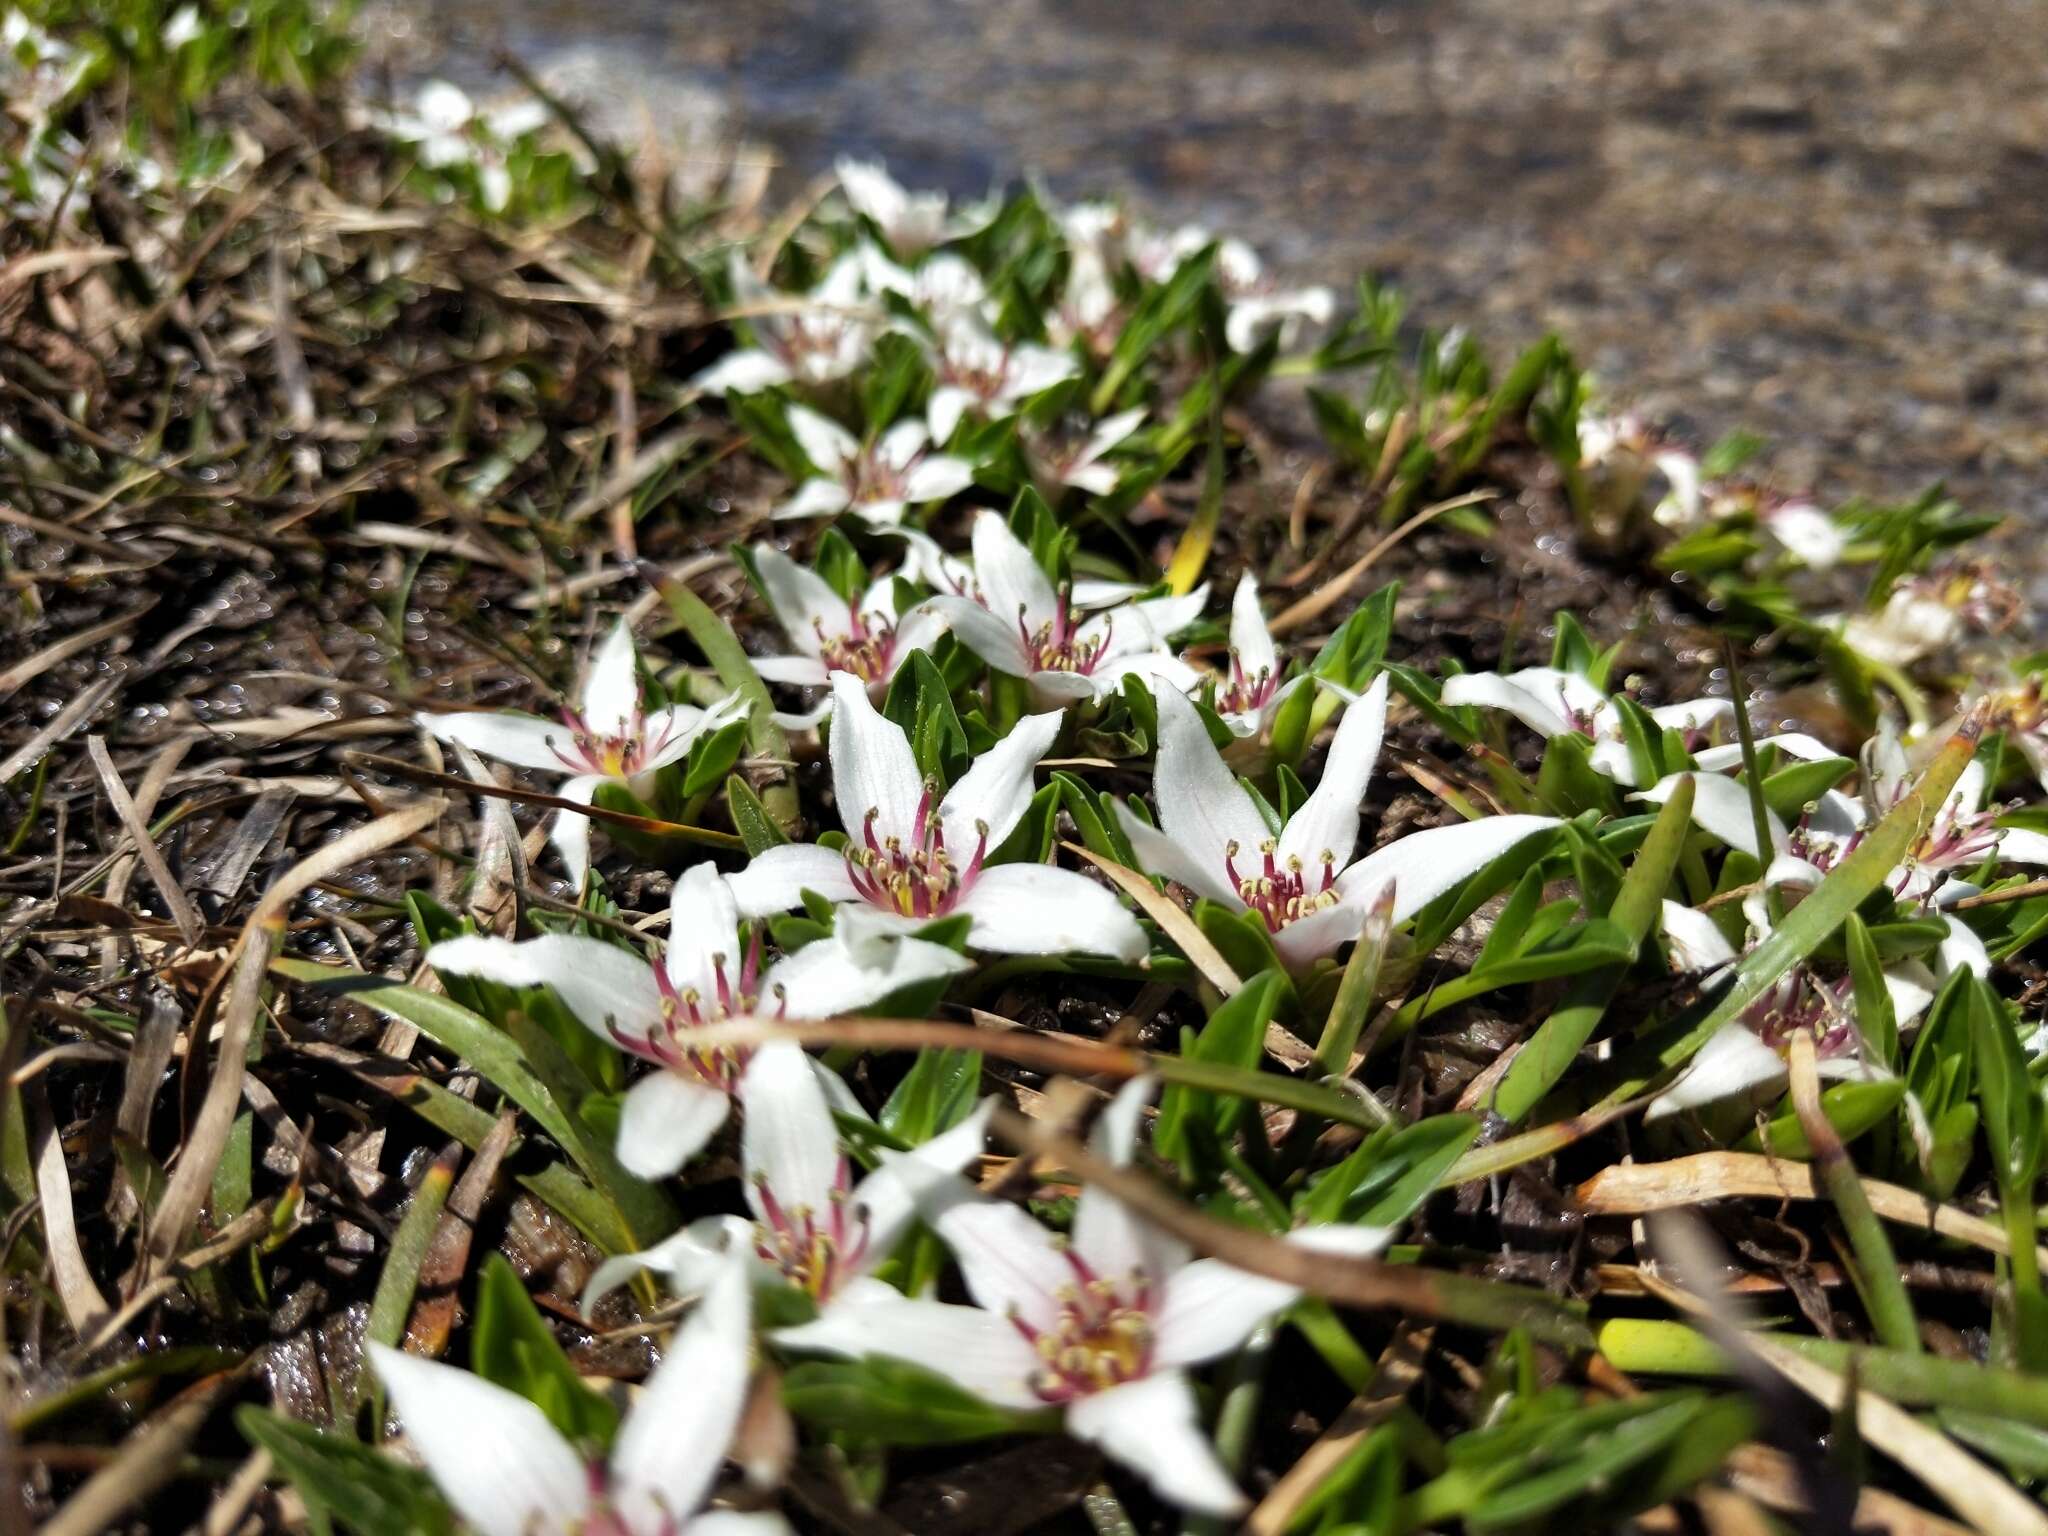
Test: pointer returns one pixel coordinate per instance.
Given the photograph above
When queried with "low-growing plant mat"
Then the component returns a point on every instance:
(1294, 803)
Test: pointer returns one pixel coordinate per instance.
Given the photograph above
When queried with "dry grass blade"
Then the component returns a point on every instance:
(1771, 1479)
(1178, 926)
(1333, 591)
(1400, 1367)
(147, 1460)
(68, 719)
(83, 640)
(1981, 1496)
(83, 1303)
(183, 913)
(178, 1208)
(1637, 1189)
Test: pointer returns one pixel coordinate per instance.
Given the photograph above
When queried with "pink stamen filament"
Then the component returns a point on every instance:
(919, 879)
(1057, 645)
(816, 1251)
(688, 1009)
(1102, 1338)
(1282, 895)
(1247, 692)
(864, 650)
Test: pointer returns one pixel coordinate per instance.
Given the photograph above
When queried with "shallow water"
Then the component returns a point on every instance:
(1818, 219)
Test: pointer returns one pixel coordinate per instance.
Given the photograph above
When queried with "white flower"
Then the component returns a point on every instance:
(992, 378)
(1249, 698)
(1913, 623)
(1103, 1326)
(1257, 304)
(1683, 507)
(909, 855)
(1213, 839)
(1808, 533)
(508, 1472)
(704, 978)
(1019, 624)
(813, 1227)
(1559, 703)
(877, 483)
(608, 739)
(1747, 1055)
(911, 222)
(824, 335)
(438, 125)
(866, 638)
(183, 27)
(2018, 708)
(1058, 457)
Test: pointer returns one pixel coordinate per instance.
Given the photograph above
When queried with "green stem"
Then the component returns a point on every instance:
(1652, 1347)
(1355, 993)
(721, 647)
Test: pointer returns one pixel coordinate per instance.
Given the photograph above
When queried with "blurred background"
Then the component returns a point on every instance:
(1822, 220)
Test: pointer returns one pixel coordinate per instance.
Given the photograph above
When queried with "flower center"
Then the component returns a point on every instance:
(863, 650)
(1058, 644)
(615, 756)
(1282, 894)
(687, 1009)
(1101, 1339)
(917, 878)
(1245, 692)
(1803, 1003)
(816, 1251)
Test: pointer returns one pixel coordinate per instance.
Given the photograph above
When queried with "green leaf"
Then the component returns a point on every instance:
(512, 1345)
(1388, 1175)
(1235, 1036)
(879, 1401)
(750, 818)
(1851, 1108)
(346, 1480)
(936, 1094)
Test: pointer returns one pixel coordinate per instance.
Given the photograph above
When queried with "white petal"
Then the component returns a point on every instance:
(1151, 1426)
(1110, 431)
(611, 693)
(495, 1455)
(1250, 641)
(997, 643)
(606, 987)
(804, 603)
(867, 958)
(815, 498)
(2017, 845)
(1114, 1137)
(1209, 1308)
(1722, 807)
(1490, 690)
(1696, 715)
(1010, 1263)
(828, 446)
(1911, 987)
(973, 1349)
(1696, 943)
(1010, 579)
(1962, 950)
(665, 1120)
(1201, 805)
(737, 1522)
(1168, 616)
(1308, 939)
(746, 372)
(948, 404)
(902, 443)
(673, 1441)
(873, 770)
(996, 789)
(777, 878)
(1424, 865)
(687, 1261)
(1159, 854)
(871, 190)
(880, 513)
(570, 832)
(1809, 533)
(1732, 1061)
(802, 671)
(1034, 909)
(1324, 831)
(524, 741)
(938, 478)
(703, 930)
(1793, 743)
(889, 1194)
(668, 733)
(787, 1136)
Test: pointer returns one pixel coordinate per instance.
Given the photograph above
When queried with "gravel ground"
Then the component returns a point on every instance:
(1825, 221)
